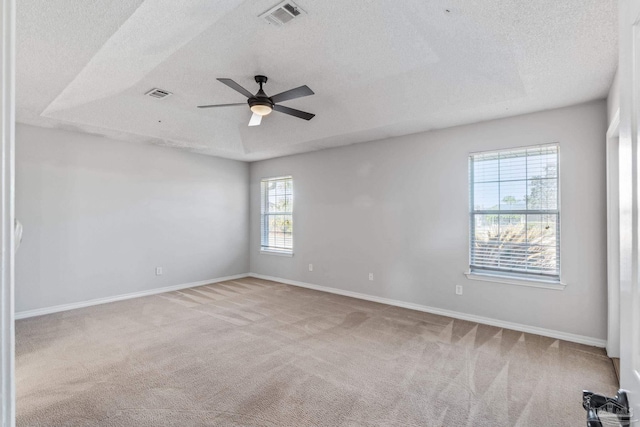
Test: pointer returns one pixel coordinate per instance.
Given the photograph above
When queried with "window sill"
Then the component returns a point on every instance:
(276, 252)
(556, 286)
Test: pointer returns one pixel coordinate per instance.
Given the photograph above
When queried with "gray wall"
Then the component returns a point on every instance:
(99, 215)
(399, 208)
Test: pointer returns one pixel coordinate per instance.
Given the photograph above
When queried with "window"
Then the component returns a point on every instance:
(277, 215)
(515, 213)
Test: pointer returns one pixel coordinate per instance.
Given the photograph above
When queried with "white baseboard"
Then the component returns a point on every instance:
(580, 339)
(64, 307)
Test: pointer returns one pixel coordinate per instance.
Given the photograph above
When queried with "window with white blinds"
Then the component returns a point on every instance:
(515, 212)
(277, 214)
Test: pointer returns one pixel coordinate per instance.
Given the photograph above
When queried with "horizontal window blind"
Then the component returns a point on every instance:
(515, 214)
(277, 214)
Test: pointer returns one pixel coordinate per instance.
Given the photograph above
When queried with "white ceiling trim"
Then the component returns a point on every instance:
(378, 68)
(154, 32)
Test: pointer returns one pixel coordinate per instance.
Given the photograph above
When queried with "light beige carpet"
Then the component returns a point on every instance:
(258, 353)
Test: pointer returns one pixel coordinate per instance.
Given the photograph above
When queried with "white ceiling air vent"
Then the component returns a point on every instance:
(282, 13)
(158, 93)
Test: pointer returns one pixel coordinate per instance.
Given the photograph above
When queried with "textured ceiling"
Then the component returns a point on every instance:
(378, 69)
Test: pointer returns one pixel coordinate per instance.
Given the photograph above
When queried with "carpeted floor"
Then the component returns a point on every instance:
(256, 353)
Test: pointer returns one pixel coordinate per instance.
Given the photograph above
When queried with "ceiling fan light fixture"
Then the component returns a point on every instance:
(261, 109)
(261, 104)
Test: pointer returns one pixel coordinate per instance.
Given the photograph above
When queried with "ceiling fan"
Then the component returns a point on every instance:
(261, 104)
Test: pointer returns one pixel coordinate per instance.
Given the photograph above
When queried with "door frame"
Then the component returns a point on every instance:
(7, 213)
(629, 186)
(613, 237)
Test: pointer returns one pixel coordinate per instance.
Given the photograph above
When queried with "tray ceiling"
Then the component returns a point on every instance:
(378, 70)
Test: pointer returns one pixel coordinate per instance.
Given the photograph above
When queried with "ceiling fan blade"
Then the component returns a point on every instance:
(293, 112)
(222, 105)
(256, 119)
(298, 92)
(235, 86)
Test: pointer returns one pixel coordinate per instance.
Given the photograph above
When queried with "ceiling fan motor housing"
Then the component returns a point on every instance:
(260, 98)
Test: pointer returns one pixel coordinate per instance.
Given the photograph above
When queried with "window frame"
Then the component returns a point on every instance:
(264, 228)
(548, 281)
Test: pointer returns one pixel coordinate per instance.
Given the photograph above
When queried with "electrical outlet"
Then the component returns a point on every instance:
(310, 267)
(158, 271)
(371, 276)
(458, 289)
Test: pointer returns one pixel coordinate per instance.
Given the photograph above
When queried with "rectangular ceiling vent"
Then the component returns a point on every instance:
(282, 13)
(158, 93)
